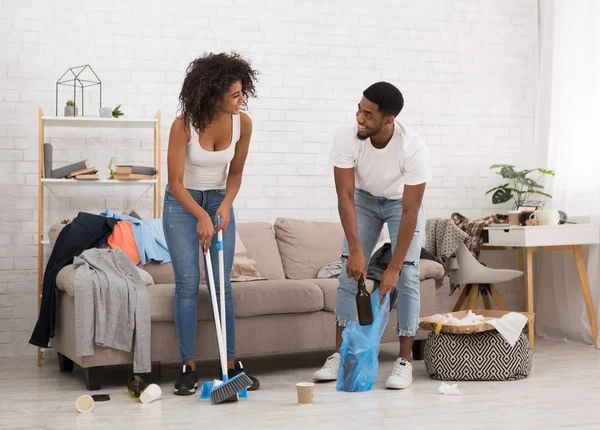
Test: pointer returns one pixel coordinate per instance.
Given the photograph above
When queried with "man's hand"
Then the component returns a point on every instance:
(388, 283)
(356, 266)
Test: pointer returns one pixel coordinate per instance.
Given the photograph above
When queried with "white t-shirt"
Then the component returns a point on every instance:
(383, 172)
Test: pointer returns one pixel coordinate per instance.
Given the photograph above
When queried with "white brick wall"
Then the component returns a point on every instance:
(466, 68)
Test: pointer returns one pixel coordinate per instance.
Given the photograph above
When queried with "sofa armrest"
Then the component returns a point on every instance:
(430, 269)
(65, 280)
(53, 233)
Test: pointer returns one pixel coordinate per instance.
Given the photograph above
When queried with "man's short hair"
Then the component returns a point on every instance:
(386, 96)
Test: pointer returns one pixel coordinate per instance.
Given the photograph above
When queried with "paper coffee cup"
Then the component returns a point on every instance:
(84, 403)
(151, 393)
(305, 392)
(513, 217)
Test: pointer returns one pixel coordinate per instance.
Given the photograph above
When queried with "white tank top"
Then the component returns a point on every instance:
(207, 170)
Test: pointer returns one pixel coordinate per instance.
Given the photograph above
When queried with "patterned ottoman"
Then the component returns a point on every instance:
(483, 356)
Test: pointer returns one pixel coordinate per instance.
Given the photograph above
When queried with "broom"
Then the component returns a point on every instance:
(229, 387)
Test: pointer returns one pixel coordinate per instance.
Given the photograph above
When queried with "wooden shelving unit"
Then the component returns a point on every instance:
(98, 181)
(87, 122)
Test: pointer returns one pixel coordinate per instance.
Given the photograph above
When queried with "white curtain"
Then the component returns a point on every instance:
(567, 140)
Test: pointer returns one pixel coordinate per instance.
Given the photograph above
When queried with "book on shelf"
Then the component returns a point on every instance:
(89, 170)
(125, 169)
(65, 171)
(132, 176)
(91, 175)
(47, 160)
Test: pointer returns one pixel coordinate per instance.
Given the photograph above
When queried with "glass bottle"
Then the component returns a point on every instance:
(363, 304)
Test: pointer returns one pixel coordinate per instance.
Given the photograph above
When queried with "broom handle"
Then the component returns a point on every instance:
(213, 295)
(222, 281)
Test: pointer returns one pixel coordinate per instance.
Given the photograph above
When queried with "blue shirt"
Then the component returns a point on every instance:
(149, 237)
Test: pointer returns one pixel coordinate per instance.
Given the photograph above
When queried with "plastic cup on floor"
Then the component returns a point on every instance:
(305, 391)
(150, 394)
(84, 403)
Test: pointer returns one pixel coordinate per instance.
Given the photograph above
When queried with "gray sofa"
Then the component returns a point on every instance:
(290, 311)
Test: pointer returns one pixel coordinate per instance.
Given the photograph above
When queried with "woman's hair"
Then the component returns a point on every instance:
(207, 80)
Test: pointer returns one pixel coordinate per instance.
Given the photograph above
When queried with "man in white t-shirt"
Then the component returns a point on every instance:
(381, 169)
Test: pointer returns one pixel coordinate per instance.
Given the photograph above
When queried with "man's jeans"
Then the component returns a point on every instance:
(371, 213)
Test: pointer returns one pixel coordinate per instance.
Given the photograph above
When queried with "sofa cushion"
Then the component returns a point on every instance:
(276, 297)
(307, 246)
(161, 273)
(251, 298)
(329, 287)
(259, 240)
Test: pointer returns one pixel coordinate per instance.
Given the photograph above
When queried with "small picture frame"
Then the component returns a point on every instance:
(531, 205)
(526, 208)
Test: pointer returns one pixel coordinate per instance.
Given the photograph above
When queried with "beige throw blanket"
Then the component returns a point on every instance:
(243, 268)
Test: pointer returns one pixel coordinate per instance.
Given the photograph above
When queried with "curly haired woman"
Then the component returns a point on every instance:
(208, 145)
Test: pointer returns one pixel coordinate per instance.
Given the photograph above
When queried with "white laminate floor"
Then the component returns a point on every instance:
(563, 391)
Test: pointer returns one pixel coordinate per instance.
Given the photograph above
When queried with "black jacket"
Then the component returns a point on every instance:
(379, 262)
(86, 231)
(381, 259)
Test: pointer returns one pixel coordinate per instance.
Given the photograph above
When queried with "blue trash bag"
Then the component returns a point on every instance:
(359, 353)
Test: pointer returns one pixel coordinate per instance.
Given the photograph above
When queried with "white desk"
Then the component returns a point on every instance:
(568, 237)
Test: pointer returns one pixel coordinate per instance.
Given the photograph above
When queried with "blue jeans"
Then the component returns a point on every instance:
(371, 213)
(184, 246)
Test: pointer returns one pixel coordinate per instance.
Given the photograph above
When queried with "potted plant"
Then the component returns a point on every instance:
(117, 112)
(70, 109)
(106, 112)
(519, 186)
(112, 168)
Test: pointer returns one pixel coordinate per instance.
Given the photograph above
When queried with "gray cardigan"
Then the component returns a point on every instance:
(112, 305)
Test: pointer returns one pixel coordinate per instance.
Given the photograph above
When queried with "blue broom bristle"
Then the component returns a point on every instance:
(230, 388)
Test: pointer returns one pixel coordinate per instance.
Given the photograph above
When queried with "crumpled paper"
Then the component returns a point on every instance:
(469, 319)
(450, 390)
(509, 326)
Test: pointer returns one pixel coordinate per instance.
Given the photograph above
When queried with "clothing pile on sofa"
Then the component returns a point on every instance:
(148, 235)
(112, 306)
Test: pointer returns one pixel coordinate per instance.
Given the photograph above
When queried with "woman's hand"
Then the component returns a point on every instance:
(205, 231)
(224, 211)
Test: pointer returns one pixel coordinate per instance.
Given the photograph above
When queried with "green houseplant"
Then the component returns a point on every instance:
(70, 109)
(519, 186)
(117, 112)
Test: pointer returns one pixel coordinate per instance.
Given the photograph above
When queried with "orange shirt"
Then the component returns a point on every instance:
(122, 237)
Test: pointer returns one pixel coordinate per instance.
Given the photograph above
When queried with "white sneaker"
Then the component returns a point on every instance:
(401, 376)
(329, 371)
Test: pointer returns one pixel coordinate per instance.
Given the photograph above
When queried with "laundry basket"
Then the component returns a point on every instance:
(475, 352)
